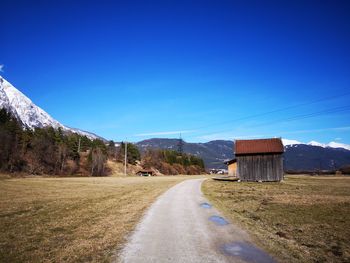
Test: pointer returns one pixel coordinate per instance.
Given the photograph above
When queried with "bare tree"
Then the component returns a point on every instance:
(62, 157)
(98, 160)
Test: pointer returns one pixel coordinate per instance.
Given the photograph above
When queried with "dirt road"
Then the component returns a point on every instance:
(181, 226)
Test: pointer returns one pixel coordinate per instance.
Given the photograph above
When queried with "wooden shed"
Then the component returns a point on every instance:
(259, 160)
(232, 167)
(145, 173)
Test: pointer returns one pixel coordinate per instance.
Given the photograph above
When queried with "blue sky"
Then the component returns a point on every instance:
(207, 69)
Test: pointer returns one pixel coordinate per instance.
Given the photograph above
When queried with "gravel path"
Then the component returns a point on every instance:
(181, 226)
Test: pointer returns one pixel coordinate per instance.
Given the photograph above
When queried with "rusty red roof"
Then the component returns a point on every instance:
(259, 146)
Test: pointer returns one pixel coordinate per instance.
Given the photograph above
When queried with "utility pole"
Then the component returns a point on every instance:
(79, 144)
(125, 156)
(180, 146)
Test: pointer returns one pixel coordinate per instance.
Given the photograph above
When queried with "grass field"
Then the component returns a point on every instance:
(303, 219)
(72, 219)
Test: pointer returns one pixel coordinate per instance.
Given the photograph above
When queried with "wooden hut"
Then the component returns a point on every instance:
(259, 160)
(145, 173)
(232, 167)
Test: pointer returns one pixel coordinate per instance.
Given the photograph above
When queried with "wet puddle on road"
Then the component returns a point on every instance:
(218, 220)
(247, 252)
(205, 205)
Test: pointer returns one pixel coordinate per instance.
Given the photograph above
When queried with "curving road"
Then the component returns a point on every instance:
(181, 226)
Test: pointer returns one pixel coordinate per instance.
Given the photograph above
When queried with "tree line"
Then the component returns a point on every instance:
(172, 162)
(48, 150)
(56, 152)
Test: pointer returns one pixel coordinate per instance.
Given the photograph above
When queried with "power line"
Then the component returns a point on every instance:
(274, 111)
(319, 113)
(299, 117)
(309, 115)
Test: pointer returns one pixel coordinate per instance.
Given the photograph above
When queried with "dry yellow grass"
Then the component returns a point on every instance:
(117, 168)
(303, 219)
(72, 219)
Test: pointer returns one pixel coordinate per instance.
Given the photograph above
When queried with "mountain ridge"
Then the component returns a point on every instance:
(29, 114)
(332, 144)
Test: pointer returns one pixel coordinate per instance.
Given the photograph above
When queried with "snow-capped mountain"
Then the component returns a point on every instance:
(30, 115)
(287, 142)
(338, 145)
(314, 143)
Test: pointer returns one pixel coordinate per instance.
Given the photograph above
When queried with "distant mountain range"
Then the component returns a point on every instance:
(314, 143)
(30, 115)
(297, 157)
(213, 153)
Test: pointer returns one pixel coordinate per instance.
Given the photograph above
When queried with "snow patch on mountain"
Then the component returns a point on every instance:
(291, 143)
(330, 145)
(30, 115)
(339, 145)
(287, 142)
(314, 143)
(22, 107)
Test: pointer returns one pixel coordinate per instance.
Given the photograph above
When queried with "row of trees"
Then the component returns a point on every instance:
(165, 161)
(55, 152)
(172, 162)
(48, 151)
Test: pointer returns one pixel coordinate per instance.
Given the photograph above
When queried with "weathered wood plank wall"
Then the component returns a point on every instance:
(265, 167)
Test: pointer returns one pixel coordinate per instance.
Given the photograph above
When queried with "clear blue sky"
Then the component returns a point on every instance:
(143, 69)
